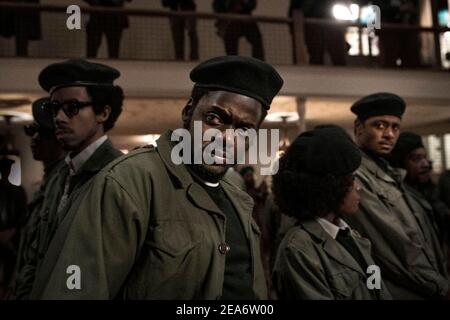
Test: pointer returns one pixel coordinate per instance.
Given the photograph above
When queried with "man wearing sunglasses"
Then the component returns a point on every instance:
(407, 260)
(46, 148)
(84, 104)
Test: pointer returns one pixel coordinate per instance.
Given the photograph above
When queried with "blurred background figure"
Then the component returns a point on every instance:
(232, 31)
(24, 25)
(410, 154)
(321, 38)
(266, 215)
(13, 213)
(399, 48)
(259, 195)
(236, 178)
(178, 25)
(112, 25)
(45, 148)
(444, 187)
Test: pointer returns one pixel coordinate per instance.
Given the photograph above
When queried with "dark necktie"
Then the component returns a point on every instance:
(346, 240)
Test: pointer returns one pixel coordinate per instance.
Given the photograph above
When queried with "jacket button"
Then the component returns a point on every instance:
(224, 248)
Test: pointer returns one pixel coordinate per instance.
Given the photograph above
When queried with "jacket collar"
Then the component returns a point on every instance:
(370, 164)
(75, 163)
(334, 249)
(179, 172)
(331, 228)
(195, 191)
(103, 155)
(181, 176)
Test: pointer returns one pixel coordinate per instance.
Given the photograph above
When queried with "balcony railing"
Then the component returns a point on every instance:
(150, 34)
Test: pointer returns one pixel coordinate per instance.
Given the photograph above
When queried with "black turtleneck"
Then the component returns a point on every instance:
(237, 282)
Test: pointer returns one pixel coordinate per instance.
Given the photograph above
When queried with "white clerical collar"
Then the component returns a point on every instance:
(77, 162)
(331, 228)
(211, 184)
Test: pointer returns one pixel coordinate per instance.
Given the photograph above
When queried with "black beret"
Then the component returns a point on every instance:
(76, 73)
(326, 151)
(243, 75)
(6, 162)
(42, 118)
(379, 104)
(406, 143)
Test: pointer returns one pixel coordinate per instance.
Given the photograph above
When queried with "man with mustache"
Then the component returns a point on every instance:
(408, 263)
(410, 154)
(84, 104)
(149, 228)
(46, 148)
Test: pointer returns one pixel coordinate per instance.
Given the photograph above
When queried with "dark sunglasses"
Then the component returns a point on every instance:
(70, 108)
(32, 129)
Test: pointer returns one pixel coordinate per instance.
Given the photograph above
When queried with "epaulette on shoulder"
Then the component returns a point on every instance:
(147, 146)
(133, 153)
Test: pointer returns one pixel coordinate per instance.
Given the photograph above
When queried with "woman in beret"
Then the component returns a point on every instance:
(321, 257)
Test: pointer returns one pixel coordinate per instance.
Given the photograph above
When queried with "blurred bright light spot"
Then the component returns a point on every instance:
(149, 139)
(354, 9)
(443, 18)
(347, 13)
(367, 13)
(15, 177)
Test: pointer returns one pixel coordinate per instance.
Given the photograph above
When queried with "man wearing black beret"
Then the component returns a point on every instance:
(149, 228)
(410, 154)
(408, 263)
(84, 104)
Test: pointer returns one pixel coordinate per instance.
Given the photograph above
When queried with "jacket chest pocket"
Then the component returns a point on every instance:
(390, 197)
(173, 262)
(176, 237)
(344, 283)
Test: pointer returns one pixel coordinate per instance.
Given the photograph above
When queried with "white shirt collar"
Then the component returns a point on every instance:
(77, 162)
(331, 228)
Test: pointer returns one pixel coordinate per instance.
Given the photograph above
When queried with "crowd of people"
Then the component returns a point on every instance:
(397, 48)
(341, 213)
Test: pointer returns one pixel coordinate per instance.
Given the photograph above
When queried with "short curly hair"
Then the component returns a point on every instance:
(103, 96)
(304, 195)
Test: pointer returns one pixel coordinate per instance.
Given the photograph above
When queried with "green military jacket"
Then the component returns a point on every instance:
(311, 265)
(34, 207)
(408, 263)
(429, 227)
(46, 218)
(146, 230)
